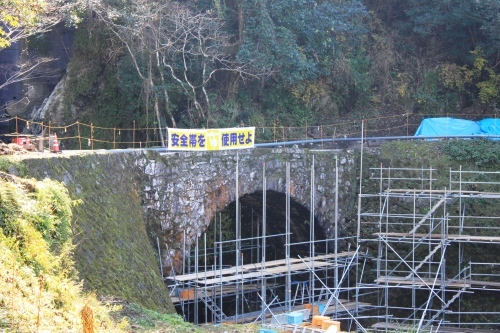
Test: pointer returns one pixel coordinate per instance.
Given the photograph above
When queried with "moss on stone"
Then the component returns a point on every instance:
(113, 254)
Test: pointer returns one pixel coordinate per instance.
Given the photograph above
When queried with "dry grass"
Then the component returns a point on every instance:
(38, 289)
(87, 319)
(38, 292)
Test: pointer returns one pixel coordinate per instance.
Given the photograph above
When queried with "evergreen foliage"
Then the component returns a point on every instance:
(297, 61)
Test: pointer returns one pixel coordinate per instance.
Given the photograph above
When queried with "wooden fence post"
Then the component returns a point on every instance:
(79, 136)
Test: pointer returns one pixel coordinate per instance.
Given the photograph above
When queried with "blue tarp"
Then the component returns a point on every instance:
(490, 126)
(447, 126)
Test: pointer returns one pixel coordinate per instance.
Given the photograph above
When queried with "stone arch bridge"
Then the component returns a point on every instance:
(184, 190)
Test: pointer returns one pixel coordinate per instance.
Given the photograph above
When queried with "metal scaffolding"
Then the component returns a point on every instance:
(423, 237)
(421, 252)
(265, 290)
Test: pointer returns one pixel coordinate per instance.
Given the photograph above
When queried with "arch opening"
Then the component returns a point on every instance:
(251, 207)
(220, 250)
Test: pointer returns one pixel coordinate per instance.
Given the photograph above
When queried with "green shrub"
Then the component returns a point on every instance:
(478, 151)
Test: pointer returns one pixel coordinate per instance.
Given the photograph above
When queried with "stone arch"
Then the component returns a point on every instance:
(183, 191)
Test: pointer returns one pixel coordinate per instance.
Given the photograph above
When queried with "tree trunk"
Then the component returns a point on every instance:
(156, 104)
(165, 92)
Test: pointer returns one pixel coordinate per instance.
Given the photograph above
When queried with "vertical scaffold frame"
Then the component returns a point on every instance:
(422, 235)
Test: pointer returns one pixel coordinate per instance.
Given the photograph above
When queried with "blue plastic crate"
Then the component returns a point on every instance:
(263, 330)
(294, 318)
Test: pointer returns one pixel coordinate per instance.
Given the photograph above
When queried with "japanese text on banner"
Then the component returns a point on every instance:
(211, 139)
(187, 139)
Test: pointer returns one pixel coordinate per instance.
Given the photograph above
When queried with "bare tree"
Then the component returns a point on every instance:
(182, 46)
(26, 69)
(192, 47)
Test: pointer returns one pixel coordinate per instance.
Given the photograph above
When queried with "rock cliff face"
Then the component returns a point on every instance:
(25, 96)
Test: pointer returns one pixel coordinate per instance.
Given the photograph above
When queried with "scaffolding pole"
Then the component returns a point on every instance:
(263, 260)
(288, 283)
(311, 232)
(238, 234)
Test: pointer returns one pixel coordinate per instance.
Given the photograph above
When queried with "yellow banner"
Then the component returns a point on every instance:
(211, 139)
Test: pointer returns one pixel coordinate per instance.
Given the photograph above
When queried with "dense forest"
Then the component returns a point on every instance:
(219, 63)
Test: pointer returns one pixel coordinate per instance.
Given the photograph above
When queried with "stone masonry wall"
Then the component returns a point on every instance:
(113, 253)
(183, 191)
(130, 198)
